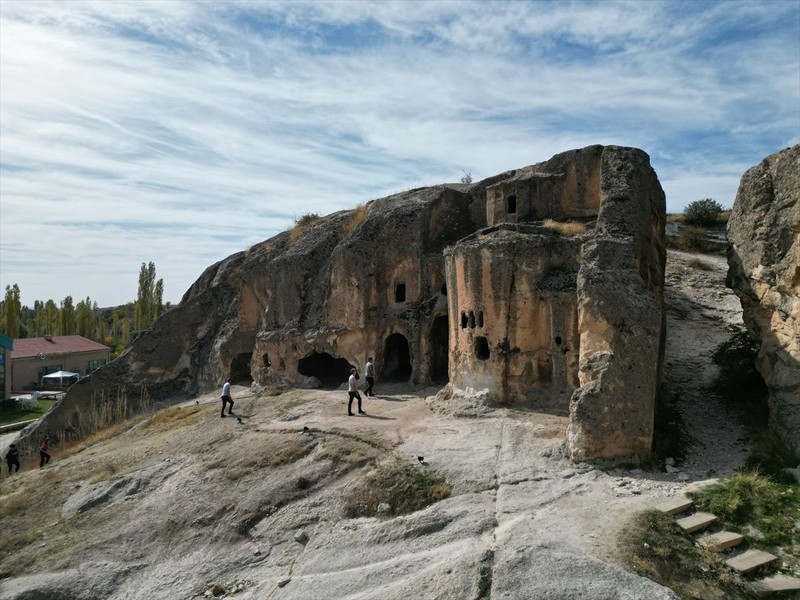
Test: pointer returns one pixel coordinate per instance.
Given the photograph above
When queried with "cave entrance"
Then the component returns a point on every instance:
(440, 345)
(240, 368)
(330, 371)
(396, 359)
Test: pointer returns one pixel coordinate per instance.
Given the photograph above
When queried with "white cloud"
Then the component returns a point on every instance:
(181, 132)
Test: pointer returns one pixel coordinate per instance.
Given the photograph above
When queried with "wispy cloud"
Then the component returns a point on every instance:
(181, 132)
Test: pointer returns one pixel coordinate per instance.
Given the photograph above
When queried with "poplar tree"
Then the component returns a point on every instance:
(148, 298)
(67, 317)
(11, 311)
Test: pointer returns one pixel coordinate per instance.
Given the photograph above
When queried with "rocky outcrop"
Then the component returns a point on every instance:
(764, 271)
(558, 312)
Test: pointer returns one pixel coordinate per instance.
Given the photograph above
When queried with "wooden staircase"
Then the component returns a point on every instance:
(720, 541)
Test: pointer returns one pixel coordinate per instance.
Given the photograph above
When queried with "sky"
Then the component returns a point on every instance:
(183, 132)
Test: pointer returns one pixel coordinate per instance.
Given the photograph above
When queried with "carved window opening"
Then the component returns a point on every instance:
(443, 289)
(400, 292)
(482, 348)
(558, 340)
(471, 320)
(480, 319)
(511, 205)
(265, 360)
(463, 320)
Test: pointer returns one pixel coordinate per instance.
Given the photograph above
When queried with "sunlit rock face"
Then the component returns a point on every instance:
(483, 287)
(561, 318)
(764, 271)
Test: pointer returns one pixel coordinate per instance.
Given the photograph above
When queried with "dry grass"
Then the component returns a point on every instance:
(274, 451)
(701, 265)
(300, 225)
(402, 487)
(172, 418)
(676, 218)
(567, 228)
(106, 470)
(359, 214)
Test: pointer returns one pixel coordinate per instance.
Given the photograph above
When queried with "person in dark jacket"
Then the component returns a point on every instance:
(44, 457)
(12, 459)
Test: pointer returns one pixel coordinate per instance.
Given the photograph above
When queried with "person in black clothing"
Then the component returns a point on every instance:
(12, 459)
(44, 457)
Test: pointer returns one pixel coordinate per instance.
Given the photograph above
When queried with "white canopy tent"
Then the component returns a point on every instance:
(61, 376)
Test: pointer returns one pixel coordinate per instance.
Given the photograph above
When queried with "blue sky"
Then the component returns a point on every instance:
(182, 132)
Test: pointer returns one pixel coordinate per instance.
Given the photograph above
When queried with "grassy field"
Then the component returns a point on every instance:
(14, 414)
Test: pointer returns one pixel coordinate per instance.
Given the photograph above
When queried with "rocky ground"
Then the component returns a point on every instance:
(188, 505)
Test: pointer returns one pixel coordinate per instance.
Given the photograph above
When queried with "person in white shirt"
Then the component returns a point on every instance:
(226, 398)
(352, 390)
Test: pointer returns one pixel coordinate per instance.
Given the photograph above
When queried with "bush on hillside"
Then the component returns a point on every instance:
(703, 213)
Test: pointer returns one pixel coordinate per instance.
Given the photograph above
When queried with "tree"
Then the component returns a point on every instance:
(66, 317)
(51, 316)
(703, 212)
(11, 311)
(149, 297)
(466, 177)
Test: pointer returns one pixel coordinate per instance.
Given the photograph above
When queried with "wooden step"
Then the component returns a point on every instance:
(675, 505)
(722, 540)
(775, 584)
(750, 560)
(696, 522)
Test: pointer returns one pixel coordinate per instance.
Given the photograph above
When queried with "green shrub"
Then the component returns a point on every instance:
(751, 500)
(692, 239)
(703, 212)
(654, 546)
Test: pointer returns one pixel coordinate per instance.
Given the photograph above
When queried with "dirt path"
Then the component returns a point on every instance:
(699, 310)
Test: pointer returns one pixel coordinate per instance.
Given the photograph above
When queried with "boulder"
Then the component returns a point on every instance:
(764, 271)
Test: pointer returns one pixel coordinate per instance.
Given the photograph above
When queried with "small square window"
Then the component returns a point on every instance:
(511, 205)
(400, 292)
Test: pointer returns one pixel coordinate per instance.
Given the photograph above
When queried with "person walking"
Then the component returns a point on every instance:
(369, 373)
(352, 391)
(12, 459)
(226, 398)
(44, 457)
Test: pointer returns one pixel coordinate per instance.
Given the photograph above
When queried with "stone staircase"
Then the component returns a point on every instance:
(719, 541)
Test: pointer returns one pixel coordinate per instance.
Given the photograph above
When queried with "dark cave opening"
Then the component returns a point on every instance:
(331, 372)
(240, 368)
(440, 345)
(396, 359)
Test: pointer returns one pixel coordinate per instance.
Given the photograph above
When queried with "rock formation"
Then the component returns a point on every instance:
(764, 271)
(459, 283)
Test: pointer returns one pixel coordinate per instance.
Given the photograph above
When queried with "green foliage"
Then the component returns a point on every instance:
(751, 500)
(657, 548)
(149, 297)
(703, 212)
(405, 488)
(11, 308)
(771, 455)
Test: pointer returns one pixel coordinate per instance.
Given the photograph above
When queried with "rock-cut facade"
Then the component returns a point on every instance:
(539, 288)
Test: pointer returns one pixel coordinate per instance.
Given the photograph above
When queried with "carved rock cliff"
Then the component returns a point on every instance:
(764, 271)
(459, 283)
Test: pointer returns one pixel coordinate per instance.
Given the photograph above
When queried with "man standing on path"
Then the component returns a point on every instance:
(226, 398)
(370, 375)
(44, 457)
(352, 390)
(12, 459)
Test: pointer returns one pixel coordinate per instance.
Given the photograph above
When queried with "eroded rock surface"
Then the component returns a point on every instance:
(764, 271)
(533, 317)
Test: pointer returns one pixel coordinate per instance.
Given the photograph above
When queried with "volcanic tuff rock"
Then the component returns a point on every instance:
(764, 271)
(535, 314)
